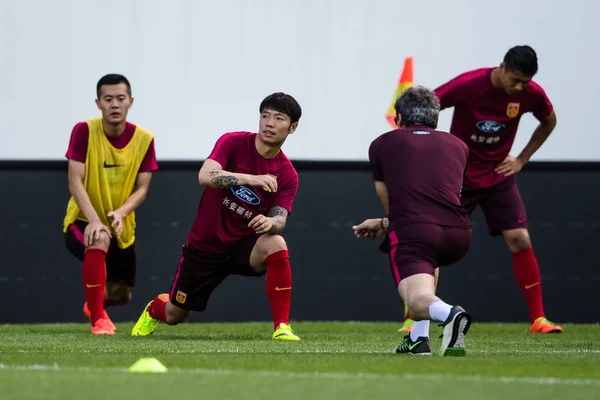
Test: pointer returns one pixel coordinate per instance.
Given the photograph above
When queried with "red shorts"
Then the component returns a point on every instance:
(200, 272)
(421, 248)
(502, 206)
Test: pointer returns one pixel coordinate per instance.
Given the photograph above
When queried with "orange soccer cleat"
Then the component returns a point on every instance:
(103, 326)
(542, 325)
(87, 313)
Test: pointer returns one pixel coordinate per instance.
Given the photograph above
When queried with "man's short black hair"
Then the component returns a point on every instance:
(112, 79)
(522, 59)
(283, 103)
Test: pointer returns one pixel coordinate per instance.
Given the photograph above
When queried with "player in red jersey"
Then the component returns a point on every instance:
(111, 162)
(418, 173)
(250, 189)
(488, 105)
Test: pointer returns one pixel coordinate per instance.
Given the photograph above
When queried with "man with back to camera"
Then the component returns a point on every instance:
(418, 173)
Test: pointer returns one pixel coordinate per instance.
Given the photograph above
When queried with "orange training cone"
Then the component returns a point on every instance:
(405, 81)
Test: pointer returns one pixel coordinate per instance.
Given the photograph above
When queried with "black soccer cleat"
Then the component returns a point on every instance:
(419, 347)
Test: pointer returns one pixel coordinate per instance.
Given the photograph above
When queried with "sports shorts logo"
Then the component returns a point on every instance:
(245, 194)
(490, 126)
(180, 297)
(512, 110)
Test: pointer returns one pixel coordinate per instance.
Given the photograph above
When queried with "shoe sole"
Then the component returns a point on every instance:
(553, 329)
(104, 333)
(453, 342)
(286, 339)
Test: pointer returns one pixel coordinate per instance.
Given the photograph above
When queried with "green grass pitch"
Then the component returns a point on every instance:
(334, 360)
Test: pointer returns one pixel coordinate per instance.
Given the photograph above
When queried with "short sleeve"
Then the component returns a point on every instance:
(542, 107)
(78, 143)
(450, 92)
(286, 194)
(376, 171)
(149, 163)
(223, 149)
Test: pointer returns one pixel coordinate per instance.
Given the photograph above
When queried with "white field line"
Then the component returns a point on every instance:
(330, 375)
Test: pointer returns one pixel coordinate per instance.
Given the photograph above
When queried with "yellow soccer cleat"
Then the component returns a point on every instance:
(145, 325)
(407, 326)
(285, 332)
(408, 322)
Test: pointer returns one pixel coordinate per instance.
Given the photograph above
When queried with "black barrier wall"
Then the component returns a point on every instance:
(335, 276)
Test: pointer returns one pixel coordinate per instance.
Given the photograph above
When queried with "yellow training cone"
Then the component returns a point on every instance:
(148, 365)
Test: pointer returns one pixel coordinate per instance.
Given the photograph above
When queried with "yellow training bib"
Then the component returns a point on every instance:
(110, 176)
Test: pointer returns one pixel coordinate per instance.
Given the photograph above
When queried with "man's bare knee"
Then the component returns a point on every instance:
(517, 239)
(119, 293)
(264, 247)
(269, 244)
(103, 242)
(122, 297)
(175, 315)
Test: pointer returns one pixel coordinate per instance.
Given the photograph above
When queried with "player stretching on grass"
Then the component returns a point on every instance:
(418, 173)
(250, 188)
(110, 167)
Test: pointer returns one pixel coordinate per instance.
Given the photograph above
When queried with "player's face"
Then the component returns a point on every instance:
(513, 81)
(114, 102)
(275, 127)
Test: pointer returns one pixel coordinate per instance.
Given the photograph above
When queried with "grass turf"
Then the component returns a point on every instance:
(353, 360)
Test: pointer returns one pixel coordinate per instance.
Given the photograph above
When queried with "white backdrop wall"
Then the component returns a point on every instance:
(200, 68)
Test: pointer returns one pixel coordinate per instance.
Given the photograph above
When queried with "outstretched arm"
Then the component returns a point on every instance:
(212, 174)
(375, 227)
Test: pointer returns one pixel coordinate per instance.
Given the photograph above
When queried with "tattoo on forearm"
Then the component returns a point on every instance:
(224, 182)
(214, 172)
(277, 211)
(279, 216)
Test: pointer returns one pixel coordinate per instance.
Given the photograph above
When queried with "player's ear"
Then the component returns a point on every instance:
(292, 128)
(397, 120)
(131, 102)
(98, 104)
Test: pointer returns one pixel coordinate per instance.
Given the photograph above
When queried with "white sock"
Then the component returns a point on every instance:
(419, 329)
(439, 311)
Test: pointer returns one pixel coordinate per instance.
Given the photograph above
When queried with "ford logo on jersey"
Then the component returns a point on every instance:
(490, 126)
(245, 194)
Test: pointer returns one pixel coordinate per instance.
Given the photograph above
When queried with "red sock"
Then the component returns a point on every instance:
(158, 308)
(94, 282)
(279, 286)
(527, 272)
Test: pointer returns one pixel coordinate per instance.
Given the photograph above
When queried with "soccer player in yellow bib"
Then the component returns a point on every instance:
(110, 167)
